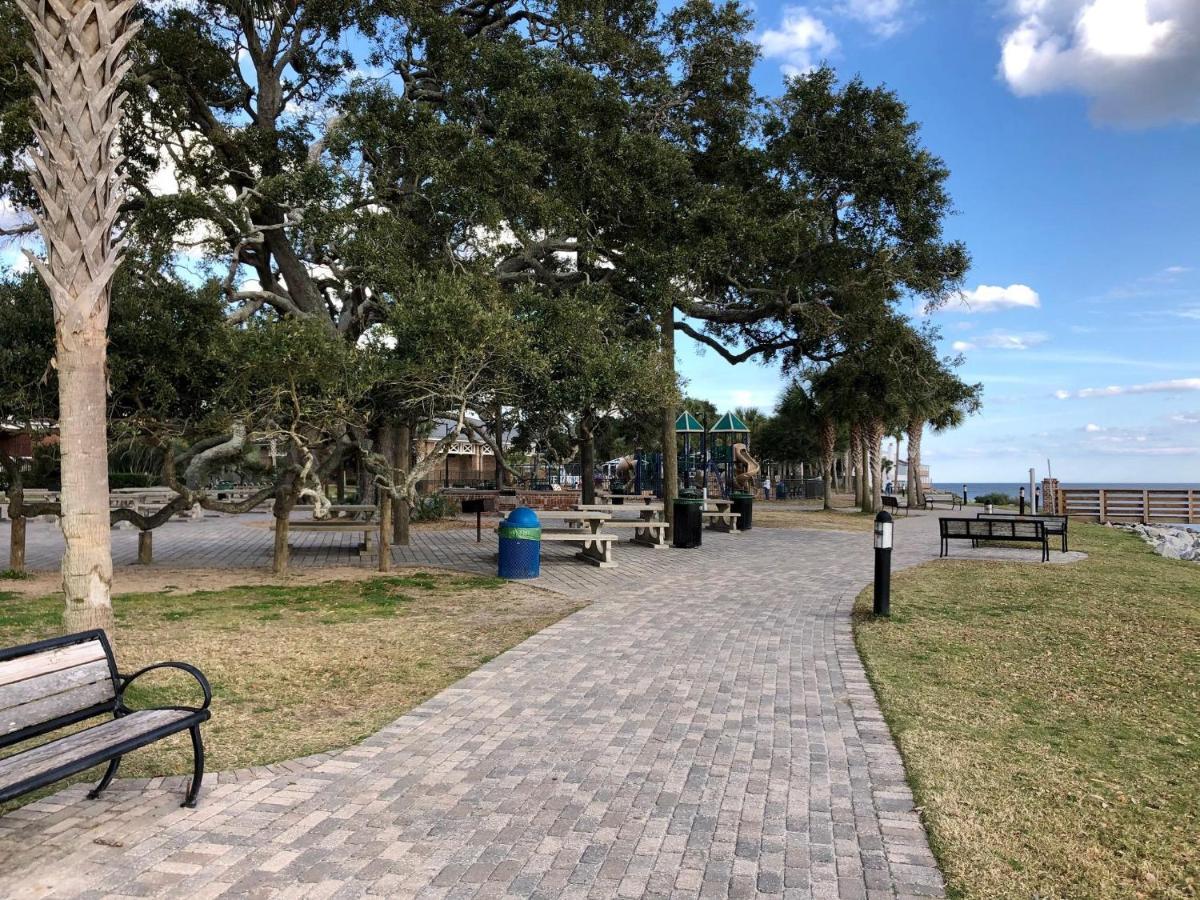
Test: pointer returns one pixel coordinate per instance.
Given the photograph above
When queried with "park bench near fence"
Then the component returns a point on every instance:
(1054, 524)
(1007, 529)
(890, 502)
(50, 685)
(949, 497)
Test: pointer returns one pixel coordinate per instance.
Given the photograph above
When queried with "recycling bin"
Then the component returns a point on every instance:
(520, 545)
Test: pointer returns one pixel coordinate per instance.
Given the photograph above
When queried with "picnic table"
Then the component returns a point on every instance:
(649, 527)
(583, 527)
(364, 511)
(719, 515)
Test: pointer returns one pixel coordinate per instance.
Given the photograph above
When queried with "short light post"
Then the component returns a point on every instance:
(883, 563)
(964, 495)
(1021, 493)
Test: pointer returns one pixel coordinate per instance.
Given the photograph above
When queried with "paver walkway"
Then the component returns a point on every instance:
(703, 729)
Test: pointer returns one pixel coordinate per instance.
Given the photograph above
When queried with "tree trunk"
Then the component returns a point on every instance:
(341, 482)
(279, 561)
(828, 444)
(916, 492)
(875, 432)
(498, 432)
(16, 545)
(856, 464)
(401, 461)
(385, 531)
(587, 464)
(83, 445)
(76, 67)
(145, 548)
(670, 463)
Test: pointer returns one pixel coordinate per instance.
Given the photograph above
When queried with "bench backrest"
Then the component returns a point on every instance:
(891, 501)
(1057, 521)
(52, 683)
(997, 529)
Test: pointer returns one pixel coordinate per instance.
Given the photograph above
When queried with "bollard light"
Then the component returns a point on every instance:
(1022, 501)
(883, 563)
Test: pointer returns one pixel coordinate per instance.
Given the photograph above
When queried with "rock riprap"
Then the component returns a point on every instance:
(1171, 541)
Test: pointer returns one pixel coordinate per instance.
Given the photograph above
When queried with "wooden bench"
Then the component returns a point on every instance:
(368, 529)
(52, 684)
(1054, 524)
(1007, 529)
(721, 520)
(932, 497)
(890, 502)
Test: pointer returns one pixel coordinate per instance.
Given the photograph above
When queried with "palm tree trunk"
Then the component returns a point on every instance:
(916, 492)
(828, 444)
(875, 432)
(77, 67)
(856, 461)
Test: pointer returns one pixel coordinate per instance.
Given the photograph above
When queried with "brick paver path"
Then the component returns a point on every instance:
(703, 729)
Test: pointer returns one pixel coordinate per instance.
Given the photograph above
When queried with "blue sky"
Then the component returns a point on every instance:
(1072, 132)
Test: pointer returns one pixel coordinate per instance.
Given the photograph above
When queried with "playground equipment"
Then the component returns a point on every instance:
(730, 431)
(690, 448)
(746, 469)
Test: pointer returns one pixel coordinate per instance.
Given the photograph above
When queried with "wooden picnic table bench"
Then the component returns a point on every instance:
(1054, 524)
(50, 685)
(368, 529)
(932, 497)
(364, 511)
(1006, 529)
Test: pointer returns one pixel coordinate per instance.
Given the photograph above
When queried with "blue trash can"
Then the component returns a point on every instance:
(520, 545)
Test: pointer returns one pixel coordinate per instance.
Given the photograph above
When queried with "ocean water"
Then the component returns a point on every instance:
(975, 488)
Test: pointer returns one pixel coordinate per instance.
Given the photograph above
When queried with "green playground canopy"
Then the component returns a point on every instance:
(727, 424)
(687, 424)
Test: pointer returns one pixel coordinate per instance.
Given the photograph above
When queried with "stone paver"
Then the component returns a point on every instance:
(703, 729)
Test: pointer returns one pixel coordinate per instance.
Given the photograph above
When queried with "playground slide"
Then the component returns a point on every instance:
(747, 468)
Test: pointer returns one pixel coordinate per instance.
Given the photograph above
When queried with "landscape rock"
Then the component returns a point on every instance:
(1170, 541)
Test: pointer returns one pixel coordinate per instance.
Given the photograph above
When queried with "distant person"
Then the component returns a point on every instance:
(887, 488)
(767, 488)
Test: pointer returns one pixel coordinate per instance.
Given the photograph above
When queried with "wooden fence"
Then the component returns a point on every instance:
(1125, 504)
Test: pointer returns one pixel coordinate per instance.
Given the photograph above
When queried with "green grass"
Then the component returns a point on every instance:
(1049, 718)
(300, 669)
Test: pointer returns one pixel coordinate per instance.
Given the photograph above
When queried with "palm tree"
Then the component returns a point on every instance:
(77, 69)
(942, 401)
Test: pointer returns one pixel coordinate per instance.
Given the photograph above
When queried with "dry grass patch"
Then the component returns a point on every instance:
(1049, 718)
(303, 668)
(768, 516)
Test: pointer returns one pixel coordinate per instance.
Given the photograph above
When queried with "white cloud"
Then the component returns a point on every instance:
(883, 17)
(989, 297)
(1137, 60)
(1092, 428)
(1174, 386)
(802, 40)
(998, 340)
(1187, 418)
(962, 346)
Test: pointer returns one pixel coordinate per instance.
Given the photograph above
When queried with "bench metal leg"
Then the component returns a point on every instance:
(197, 770)
(95, 792)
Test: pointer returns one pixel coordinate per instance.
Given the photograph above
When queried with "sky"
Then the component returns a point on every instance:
(1071, 129)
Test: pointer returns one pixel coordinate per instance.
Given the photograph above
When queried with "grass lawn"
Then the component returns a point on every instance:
(299, 669)
(1049, 718)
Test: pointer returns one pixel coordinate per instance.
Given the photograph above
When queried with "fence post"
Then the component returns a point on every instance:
(1145, 507)
(1103, 505)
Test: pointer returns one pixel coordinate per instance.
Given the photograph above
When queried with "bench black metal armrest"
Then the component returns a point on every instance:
(126, 680)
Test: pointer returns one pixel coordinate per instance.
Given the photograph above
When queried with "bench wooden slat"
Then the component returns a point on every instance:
(46, 661)
(54, 683)
(63, 752)
(53, 706)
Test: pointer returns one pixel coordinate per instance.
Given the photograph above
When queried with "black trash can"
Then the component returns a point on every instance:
(743, 505)
(688, 527)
